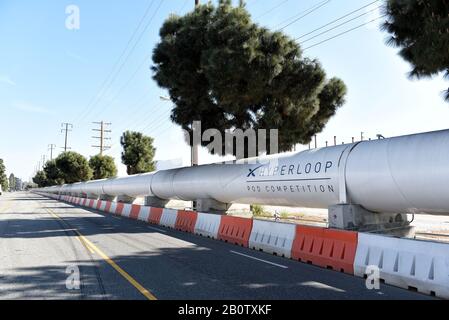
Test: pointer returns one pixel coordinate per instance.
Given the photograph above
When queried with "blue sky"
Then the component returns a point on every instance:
(50, 75)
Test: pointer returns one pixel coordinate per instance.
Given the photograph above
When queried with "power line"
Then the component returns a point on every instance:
(339, 25)
(153, 125)
(93, 99)
(183, 6)
(303, 14)
(114, 74)
(150, 113)
(272, 9)
(124, 86)
(338, 19)
(344, 32)
(129, 81)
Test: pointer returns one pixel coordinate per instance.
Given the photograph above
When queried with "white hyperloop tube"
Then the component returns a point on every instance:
(402, 174)
(132, 186)
(408, 174)
(302, 179)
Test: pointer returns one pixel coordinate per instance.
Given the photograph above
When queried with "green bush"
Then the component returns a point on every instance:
(284, 215)
(257, 210)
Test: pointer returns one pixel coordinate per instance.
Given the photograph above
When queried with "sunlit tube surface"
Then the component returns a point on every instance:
(396, 175)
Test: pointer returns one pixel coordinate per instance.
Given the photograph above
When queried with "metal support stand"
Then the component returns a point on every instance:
(212, 206)
(125, 199)
(155, 202)
(355, 217)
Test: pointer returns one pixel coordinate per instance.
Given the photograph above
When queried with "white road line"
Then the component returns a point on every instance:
(261, 260)
(157, 229)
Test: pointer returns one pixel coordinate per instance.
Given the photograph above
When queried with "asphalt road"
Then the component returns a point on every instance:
(43, 241)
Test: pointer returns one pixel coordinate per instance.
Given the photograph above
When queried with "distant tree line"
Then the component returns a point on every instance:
(71, 167)
(3, 179)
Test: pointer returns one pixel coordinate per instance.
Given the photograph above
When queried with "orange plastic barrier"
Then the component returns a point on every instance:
(119, 208)
(235, 230)
(135, 209)
(108, 206)
(155, 215)
(186, 220)
(332, 249)
(91, 203)
(98, 204)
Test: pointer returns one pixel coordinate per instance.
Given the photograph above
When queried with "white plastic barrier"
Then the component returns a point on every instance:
(126, 210)
(168, 218)
(272, 237)
(144, 213)
(103, 205)
(423, 265)
(207, 225)
(113, 207)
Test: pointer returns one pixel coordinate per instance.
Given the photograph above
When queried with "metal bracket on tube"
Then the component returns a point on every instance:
(343, 195)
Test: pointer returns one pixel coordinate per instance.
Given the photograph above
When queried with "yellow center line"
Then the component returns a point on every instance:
(94, 249)
(85, 244)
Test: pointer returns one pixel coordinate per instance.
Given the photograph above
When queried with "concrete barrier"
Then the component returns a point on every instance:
(327, 248)
(168, 218)
(235, 230)
(406, 263)
(186, 220)
(124, 209)
(144, 213)
(99, 202)
(155, 215)
(134, 212)
(103, 205)
(207, 225)
(119, 208)
(410, 264)
(272, 237)
(113, 207)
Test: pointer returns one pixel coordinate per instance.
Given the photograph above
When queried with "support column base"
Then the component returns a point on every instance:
(155, 202)
(355, 217)
(106, 197)
(212, 206)
(125, 199)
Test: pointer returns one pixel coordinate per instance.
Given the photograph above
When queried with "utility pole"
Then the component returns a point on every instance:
(102, 137)
(43, 161)
(66, 127)
(51, 147)
(194, 148)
